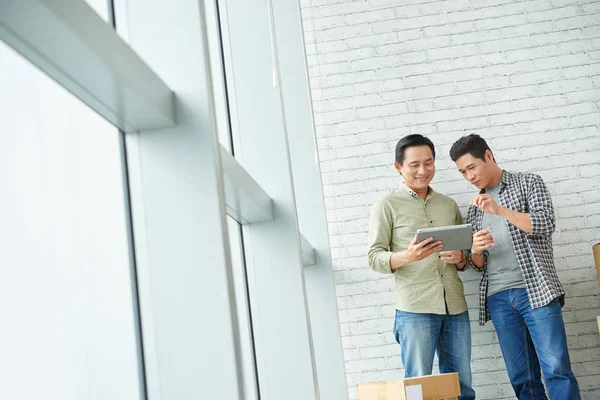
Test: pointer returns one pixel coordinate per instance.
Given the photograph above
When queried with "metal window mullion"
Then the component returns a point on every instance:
(274, 252)
(135, 294)
(310, 203)
(186, 283)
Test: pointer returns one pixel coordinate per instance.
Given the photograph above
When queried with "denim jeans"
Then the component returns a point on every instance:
(530, 338)
(449, 336)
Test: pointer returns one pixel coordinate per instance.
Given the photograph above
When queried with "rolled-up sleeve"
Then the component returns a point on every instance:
(541, 210)
(472, 219)
(475, 267)
(381, 225)
(458, 220)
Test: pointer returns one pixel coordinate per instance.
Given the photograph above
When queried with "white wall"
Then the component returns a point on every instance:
(523, 74)
(65, 291)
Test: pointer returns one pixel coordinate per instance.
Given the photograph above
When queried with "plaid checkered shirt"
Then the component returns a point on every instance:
(525, 193)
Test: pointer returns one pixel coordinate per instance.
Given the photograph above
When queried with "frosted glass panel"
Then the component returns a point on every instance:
(68, 326)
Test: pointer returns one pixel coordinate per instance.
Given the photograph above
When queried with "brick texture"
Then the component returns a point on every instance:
(523, 74)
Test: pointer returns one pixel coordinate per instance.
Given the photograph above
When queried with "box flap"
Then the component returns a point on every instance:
(434, 387)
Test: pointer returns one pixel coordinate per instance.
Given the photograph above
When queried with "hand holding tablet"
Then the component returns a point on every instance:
(418, 250)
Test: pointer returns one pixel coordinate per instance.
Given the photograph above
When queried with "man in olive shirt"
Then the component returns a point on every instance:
(431, 311)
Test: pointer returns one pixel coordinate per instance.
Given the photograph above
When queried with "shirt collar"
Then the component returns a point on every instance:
(411, 192)
(506, 178)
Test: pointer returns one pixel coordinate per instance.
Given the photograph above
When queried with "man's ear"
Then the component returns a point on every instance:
(398, 167)
(489, 156)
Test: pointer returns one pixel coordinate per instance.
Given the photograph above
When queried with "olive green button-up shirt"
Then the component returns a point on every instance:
(421, 285)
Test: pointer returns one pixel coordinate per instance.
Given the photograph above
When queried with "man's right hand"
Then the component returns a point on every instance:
(482, 240)
(415, 252)
(418, 251)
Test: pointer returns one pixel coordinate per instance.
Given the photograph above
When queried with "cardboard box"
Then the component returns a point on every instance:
(433, 387)
(596, 251)
(598, 324)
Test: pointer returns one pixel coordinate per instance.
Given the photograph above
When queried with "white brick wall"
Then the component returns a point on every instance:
(523, 74)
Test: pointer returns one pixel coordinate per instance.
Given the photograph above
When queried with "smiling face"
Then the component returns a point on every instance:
(417, 168)
(481, 173)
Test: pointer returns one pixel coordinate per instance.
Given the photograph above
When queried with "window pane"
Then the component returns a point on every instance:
(65, 293)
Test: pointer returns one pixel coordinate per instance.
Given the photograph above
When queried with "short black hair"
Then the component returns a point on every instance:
(472, 144)
(410, 141)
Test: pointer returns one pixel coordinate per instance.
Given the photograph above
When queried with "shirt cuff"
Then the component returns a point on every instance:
(475, 267)
(382, 263)
(540, 225)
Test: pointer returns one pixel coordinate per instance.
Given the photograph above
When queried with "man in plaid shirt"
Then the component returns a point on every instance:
(513, 222)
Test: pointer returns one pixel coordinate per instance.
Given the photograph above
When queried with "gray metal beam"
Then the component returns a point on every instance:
(247, 202)
(73, 45)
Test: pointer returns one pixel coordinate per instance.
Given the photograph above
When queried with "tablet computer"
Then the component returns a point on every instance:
(455, 237)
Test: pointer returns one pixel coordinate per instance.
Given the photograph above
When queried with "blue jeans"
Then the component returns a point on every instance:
(530, 338)
(422, 335)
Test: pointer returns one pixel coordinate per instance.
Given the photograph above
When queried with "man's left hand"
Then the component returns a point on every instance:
(451, 257)
(486, 203)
